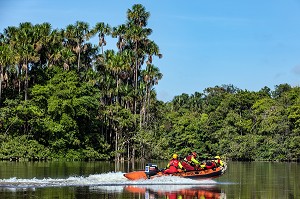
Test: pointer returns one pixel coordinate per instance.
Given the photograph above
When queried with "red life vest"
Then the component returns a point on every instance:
(174, 163)
(210, 165)
(189, 158)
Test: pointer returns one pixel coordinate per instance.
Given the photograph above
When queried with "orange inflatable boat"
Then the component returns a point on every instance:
(151, 171)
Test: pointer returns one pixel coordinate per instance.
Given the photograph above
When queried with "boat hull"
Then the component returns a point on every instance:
(136, 175)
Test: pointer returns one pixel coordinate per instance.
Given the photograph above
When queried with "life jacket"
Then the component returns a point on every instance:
(174, 163)
(210, 165)
(188, 158)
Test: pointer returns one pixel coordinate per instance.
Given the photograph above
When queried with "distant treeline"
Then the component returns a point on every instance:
(64, 97)
(238, 124)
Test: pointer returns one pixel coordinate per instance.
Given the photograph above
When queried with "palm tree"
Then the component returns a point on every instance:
(151, 48)
(54, 47)
(11, 37)
(21, 39)
(76, 36)
(138, 15)
(118, 64)
(102, 29)
(6, 59)
(42, 33)
(120, 33)
(67, 57)
(151, 76)
(135, 35)
(27, 51)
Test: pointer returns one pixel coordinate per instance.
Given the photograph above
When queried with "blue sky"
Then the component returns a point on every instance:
(250, 43)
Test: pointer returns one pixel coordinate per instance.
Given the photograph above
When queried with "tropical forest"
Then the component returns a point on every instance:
(63, 96)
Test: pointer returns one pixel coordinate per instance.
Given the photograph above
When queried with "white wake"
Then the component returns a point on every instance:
(104, 179)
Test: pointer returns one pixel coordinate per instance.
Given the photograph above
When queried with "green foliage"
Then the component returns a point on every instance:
(22, 147)
(239, 124)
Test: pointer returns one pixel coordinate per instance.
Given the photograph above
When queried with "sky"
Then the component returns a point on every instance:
(249, 44)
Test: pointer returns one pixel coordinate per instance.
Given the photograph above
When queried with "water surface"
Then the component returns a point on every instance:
(105, 180)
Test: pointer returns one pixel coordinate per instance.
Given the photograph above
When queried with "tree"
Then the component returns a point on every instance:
(135, 35)
(280, 89)
(76, 35)
(120, 32)
(54, 47)
(151, 76)
(102, 29)
(71, 110)
(6, 60)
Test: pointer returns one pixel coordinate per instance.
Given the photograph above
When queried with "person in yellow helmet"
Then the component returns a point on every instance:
(218, 161)
(173, 165)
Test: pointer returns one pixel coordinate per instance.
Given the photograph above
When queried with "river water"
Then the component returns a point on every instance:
(60, 180)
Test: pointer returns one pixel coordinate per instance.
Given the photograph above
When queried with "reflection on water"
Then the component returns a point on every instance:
(126, 191)
(166, 191)
(137, 191)
(177, 191)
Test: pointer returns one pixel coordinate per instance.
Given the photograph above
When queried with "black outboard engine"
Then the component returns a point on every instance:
(151, 169)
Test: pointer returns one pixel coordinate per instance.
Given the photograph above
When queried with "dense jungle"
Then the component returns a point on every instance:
(64, 97)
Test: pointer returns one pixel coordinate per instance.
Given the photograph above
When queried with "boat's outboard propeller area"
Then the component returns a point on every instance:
(151, 170)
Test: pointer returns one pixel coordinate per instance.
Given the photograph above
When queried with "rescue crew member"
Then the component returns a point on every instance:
(218, 161)
(190, 163)
(174, 165)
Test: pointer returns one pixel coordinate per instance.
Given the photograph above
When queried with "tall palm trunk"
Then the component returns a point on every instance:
(19, 79)
(148, 104)
(117, 89)
(26, 82)
(133, 153)
(143, 108)
(135, 77)
(116, 146)
(78, 60)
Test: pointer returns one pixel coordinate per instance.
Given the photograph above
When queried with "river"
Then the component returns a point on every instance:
(104, 180)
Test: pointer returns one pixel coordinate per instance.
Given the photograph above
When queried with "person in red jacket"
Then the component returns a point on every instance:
(173, 165)
(190, 163)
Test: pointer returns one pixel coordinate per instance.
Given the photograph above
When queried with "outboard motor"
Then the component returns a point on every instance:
(151, 169)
